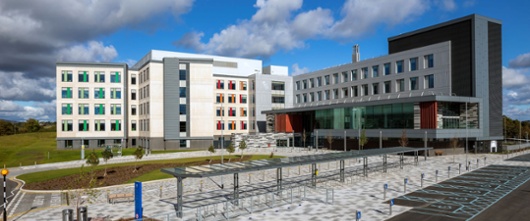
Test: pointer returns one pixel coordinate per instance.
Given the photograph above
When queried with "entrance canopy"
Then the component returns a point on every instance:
(257, 165)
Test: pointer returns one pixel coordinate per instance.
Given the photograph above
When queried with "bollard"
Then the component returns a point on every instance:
(385, 187)
(436, 176)
(459, 167)
(391, 204)
(405, 181)
(448, 171)
(422, 176)
(358, 215)
(477, 162)
(83, 214)
(68, 214)
(468, 165)
(484, 161)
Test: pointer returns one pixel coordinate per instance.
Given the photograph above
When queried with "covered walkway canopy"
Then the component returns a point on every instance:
(278, 163)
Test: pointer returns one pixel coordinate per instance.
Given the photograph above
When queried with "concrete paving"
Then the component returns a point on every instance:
(330, 200)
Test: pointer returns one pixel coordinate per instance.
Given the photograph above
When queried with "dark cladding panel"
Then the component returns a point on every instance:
(461, 50)
(171, 98)
(495, 78)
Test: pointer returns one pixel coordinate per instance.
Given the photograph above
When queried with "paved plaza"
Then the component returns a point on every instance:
(329, 200)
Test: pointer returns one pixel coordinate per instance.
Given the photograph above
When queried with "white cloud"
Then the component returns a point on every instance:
(514, 77)
(296, 70)
(42, 111)
(521, 61)
(91, 52)
(448, 5)
(17, 86)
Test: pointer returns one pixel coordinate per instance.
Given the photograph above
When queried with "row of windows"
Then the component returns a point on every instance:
(144, 92)
(232, 125)
(84, 125)
(365, 90)
(232, 98)
(220, 111)
(84, 76)
(220, 84)
(84, 109)
(365, 72)
(144, 75)
(84, 92)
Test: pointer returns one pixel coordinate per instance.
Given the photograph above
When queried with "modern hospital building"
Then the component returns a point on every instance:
(439, 82)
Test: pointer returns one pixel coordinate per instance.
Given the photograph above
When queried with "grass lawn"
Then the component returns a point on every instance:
(147, 176)
(30, 148)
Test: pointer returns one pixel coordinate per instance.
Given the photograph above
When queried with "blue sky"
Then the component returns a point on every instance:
(303, 35)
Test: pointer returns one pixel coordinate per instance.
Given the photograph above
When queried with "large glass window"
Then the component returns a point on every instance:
(243, 85)
(400, 85)
(364, 72)
(67, 125)
(115, 77)
(345, 92)
(413, 83)
(115, 93)
(231, 98)
(219, 98)
(99, 77)
(326, 80)
(220, 125)
(99, 109)
(182, 75)
(304, 83)
(354, 75)
(319, 81)
(182, 92)
(219, 112)
(387, 87)
(133, 125)
(243, 98)
(220, 84)
(115, 109)
(83, 109)
(413, 64)
(298, 85)
(182, 109)
(83, 125)
(429, 81)
(83, 93)
(375, 88)
(375, 71)
(354, 91)
(345, 76)
(364, 88)
(312, 82)
(243, 111)
(429, 61)
(278, 100)
(66, 92)
(336, 78)
(231, 85)
(82, 76)
(133, 94)
(99, 93)
(386, 69)
(66, 76)
(399, 66)
(133, 110)
(133, 79)
(115, 125)
(66, 109)
(99, 125)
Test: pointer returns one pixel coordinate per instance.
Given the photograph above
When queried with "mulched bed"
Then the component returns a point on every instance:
(115, 175)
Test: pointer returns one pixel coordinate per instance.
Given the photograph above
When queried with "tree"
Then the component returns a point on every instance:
(404, 140)
(363, 140)
(6, 128)
(454, 144)
(329, 138)
(230, 149)
(106, 154)
(32, 125)
(92, 158)
(242, 147)
(211, 149)
(138, 154)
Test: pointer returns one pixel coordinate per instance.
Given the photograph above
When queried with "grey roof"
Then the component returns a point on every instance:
(257, 165)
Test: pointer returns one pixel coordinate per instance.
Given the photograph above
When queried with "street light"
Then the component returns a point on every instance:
(222, 129)
(4, 173)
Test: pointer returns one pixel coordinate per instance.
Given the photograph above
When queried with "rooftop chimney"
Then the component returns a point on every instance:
(355, 56)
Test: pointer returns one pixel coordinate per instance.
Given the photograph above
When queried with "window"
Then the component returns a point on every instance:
(326, 80)
(220, 112)
(413, 64)
(182, 109)
(364, 89)
(387, 87)
(354, 75)
(115, 109)
(182, 92)
(99, 93)
(99, 77)
(375, 71)
(183, 126)
(232, 112)
(82, 76)
(253, 85)
(115, 125)
(232, 125)
(66, 109)
(278, 100)
(220, 84)
(364, 72)
(319, 81)
(429, 81)
(83, 125)
(99, 109)
(327, 95)
(220, 125)
(304, 98)
(278, 86)
(399, 66)
(355, 91)
(83, 109)
(66, 76)
(232, 98)
(115, 93)
(133, 79)
(375, 88)
(336, 94)
(243, 85)
(400, 85)
(312, 82)
(182, 75)
(133, 94)
(231, 85)
(133, 125)
(243, 112)
(99, 125)
(67, 125)
(243, 125)
(345, 92)
(297, 98)
(243, 98)
(133, 110)
(311, 97)
(219, 98)
(386, 68)
(66, 92)
(297, 85)
(413, 83)
(429, 61)
(336, 78)
(304, 83)
(116, 78)
(83, 93)
(319, 96)
(345, 77)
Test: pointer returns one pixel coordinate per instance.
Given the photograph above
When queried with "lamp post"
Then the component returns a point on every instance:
(82, 148)
(4, 174)
(222, 130)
